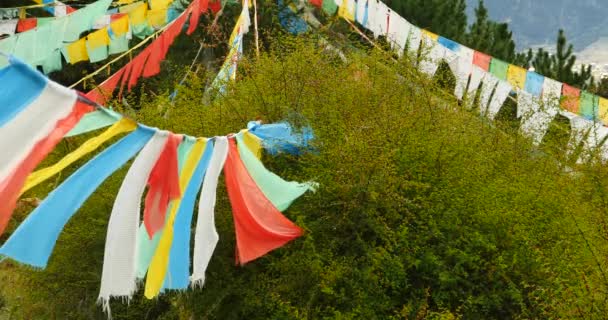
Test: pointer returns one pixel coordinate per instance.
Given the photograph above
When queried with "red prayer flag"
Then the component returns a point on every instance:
(104, 91)
(215, 6)
(571, 98)
(318, 3)
(482, 60)
(259, 226)
(194, 16)
(138, 66)
(153, 64)
(26, 24)
(163, 186)
(10, 188)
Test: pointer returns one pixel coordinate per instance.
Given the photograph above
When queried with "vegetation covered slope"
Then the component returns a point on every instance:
(424, 210)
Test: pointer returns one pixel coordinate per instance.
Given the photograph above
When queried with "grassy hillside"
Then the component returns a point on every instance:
(425, 210)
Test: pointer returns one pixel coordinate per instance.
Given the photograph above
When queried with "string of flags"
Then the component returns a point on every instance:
(176, 170)
(540, 99)
(147, 62)
(110, 31)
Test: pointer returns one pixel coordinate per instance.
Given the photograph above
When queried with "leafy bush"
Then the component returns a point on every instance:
(424, 209)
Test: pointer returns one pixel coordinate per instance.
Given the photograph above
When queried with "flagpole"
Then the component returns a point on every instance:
(255, 26)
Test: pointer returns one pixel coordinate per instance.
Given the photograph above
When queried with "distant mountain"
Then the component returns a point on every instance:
(536, 22)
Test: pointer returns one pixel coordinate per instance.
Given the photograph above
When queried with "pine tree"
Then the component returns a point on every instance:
(490, 37)
(560, 65)
(447, 18)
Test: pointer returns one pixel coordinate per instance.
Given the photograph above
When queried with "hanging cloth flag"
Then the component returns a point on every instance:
(499, 68)
(160, 260)
(462, 68)
(329, 7)
(206, 236)
(198, 7)
(477, 75)
(97, 45)
(589, 106)
(580, 128)
(179, 260)
(534, 83)
(536, 119)
(163, 185)
(33, 241)
(498, 99)
(146, 246)
(552, 92)
(290, 20)
(399, 32)
(32, 124)
(21, 78)
(432, 53)
(487, 88)
(516, 76)
(603, 110)
(449, 44)
(26, 46)
(11, 185)
(571, 98)
(278, 137)
(526, 104)
(76, 51)
(118, 278)
(254, 144)
(137, 67)
(317, 3)
(413, 43)
(347, 10)
(215, 6)
(27, 24)
(138, 19)
(157, 18)
(122, 126)
(279, 192)
(93, 121)
(259, 226)
(103, 92)
(83, 19)
(8, 27)
(482, 60)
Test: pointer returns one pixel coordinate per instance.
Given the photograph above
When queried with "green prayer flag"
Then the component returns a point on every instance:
(499, 68)
(52, 62)
(93, 121)
(330, 7)
(279, 192)
(589, 105)
(118, 44)
(98, 54)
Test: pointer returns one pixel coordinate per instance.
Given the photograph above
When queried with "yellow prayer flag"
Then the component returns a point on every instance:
(120, 26)
(516, 76)
(160, 261)
(98, 39)
(159, 4)
(123, 2)
(77, 51)
(433, 36)
(123, 125)
(253, 143)
(603, 110)
(157, 18)
(137, 12)
(347, 10)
